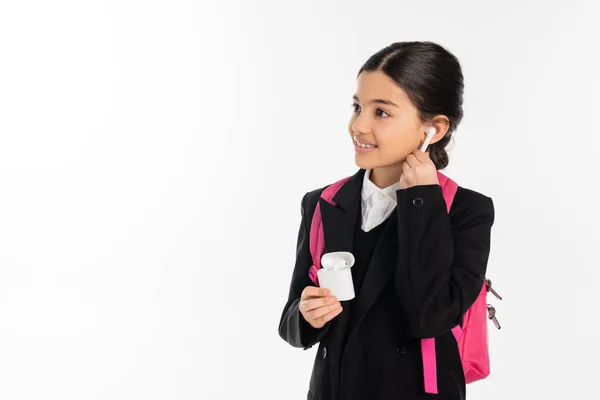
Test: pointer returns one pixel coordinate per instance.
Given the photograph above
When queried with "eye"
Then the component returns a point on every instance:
(379, 110)
(356, 107)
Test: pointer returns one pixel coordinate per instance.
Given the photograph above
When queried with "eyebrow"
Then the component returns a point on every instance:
(378, 101)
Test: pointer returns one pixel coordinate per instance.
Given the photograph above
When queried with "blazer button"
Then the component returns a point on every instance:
(324, 352)
(418, 202)
(401, 351)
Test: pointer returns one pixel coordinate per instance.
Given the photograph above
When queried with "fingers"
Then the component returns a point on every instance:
(421, 157)
(412, 160)
(310, 292)
(417, 158)
(322, 320)
(321, 311)
(317, 306)
(418, 169)
(315, 303)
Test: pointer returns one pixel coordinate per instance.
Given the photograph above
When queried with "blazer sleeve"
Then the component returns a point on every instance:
(442, 257)
(293, 328)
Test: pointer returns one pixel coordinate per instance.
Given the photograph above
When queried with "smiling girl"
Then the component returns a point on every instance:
(418, 266)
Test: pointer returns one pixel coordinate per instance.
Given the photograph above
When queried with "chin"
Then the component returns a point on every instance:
(365, 162)
(371, 161)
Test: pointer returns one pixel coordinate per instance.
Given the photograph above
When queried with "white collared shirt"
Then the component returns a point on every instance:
(377, 204)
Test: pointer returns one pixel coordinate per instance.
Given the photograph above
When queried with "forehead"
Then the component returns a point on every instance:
(377, 85)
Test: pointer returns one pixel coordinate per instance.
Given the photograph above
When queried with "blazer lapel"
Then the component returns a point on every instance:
(339, 221)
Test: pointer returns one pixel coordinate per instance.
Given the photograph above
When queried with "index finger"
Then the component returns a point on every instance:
(313, 291)
(422, 157)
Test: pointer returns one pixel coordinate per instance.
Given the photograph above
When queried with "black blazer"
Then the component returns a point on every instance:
(426, 271)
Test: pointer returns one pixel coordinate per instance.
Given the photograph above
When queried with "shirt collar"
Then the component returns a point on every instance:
(369, 188)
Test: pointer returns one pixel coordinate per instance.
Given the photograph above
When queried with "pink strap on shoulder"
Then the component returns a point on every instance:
(317, 241)
(449, 189)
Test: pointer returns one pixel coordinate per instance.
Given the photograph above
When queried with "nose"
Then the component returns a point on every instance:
(360, 126)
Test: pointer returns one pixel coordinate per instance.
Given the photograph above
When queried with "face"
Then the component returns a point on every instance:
(384, 118)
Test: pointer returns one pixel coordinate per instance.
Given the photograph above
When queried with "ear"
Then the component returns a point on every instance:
(442, 124)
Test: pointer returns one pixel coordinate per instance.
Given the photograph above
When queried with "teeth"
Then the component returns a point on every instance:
(365, 146)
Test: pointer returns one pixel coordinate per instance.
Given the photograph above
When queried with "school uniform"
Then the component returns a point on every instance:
(418, 269)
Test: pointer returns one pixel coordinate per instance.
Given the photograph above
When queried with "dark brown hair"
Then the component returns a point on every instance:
(432, 78)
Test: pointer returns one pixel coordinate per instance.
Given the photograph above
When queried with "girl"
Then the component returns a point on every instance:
(418, 267)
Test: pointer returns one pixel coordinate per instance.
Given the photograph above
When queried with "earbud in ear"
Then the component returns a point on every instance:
(431, 131)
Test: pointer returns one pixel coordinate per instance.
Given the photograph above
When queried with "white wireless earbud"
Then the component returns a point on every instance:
(431, 131)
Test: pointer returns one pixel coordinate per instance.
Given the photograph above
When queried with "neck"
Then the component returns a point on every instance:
(386, 176)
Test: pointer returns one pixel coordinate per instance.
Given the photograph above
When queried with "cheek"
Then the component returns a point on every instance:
(397, 143)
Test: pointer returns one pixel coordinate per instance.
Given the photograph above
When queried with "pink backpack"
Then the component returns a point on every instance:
(472, 338)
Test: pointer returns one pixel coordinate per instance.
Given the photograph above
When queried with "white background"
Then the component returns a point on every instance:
(153, 156)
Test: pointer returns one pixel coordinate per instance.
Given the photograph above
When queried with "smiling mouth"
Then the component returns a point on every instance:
(364, 146)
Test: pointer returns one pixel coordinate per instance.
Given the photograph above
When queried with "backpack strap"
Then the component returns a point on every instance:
(449, 189)
(317, 240)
